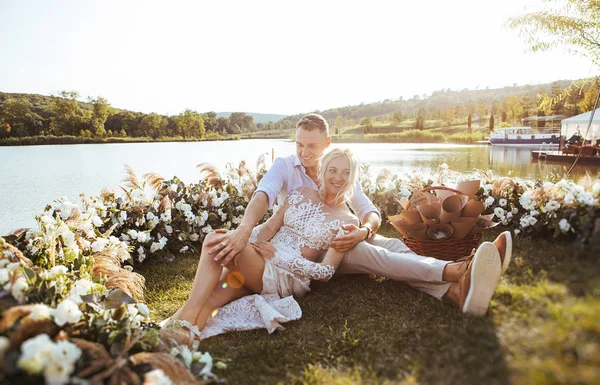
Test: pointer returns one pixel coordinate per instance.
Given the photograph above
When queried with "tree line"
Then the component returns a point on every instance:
(23, 115)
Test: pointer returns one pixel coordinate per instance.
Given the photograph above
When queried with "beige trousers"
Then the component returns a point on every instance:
(391, 258)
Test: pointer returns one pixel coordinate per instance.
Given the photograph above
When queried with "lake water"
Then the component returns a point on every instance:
(33, 176)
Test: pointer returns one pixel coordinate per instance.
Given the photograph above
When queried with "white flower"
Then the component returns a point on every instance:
(143, 237)
(143, 308)
(169, 229)
(35, 354)
(241, 208)
(443, 166)
(206, 358)
(122, 216)
(551, 206)
(207, 229)
(66, 351)
(487, 187)
(532, 221)
(564, 225)
(150, 216)
(96, 220)
(517, 231)
(185, 353)
(515, 211)
(66, 312)
(156, 377)
(489, 201)
(524, 221)
(391, 185)
(502, 202)
(533, 213)
(596, 188)
(569, 199)
(141, 254)
(81, 287)
(184, 249)
(132, 234)
(59, 270)
(18, 289)
(58, 373)
(194, 237)
(4, 276)
(499, 212)
(372, 189)
(39, 312)
(99, 244)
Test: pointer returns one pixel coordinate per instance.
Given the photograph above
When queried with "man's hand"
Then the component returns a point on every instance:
(229, 244)
(346, 242)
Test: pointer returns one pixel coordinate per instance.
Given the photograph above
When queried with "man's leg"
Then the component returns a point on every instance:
(390, 258)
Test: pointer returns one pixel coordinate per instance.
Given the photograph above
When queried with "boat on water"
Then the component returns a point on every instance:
(525, 137)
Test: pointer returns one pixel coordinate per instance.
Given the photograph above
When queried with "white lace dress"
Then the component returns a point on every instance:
(290, 241)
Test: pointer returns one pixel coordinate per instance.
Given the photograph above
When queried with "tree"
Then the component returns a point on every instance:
(100, 112)
(469, 121)
(210, 121)
(397, 116)
(338, 124)
(482, 110)
(69, 118)
(190, 124)
(367, 124)
(152, 125)
(503, 116)
(589, 95)
(18, 119)
(574, 24)
(513, 108)
(223, 125)
(449, 115)
(420, 119)
(491, 122)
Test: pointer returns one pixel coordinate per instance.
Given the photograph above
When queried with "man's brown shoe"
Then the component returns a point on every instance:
(477, 285)
(504, 245)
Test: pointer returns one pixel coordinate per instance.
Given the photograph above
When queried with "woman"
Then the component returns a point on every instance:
(281, 259)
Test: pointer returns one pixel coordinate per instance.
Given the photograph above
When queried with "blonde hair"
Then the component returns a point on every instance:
(347, 189)
(312, 122)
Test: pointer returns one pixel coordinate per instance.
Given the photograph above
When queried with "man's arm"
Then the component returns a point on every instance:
(370, 217)
(227, 246)
(357, 234)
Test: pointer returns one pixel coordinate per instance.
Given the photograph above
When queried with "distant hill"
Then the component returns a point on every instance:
(438, 99)
(258, 118)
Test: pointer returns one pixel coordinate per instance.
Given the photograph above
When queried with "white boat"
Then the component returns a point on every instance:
(525, 137)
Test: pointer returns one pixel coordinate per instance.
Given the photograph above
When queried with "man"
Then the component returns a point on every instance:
(377, 255)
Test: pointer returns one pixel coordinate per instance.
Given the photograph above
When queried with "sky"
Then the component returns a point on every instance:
(275, 57)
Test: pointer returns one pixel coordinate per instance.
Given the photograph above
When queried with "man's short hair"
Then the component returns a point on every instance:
(313, 122)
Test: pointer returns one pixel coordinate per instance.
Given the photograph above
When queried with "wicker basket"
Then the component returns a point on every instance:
(446, 249)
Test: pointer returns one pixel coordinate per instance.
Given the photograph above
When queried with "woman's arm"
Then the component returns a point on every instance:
(266, 231)
(317, 271)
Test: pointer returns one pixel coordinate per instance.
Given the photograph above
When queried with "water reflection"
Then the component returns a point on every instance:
(33, 176)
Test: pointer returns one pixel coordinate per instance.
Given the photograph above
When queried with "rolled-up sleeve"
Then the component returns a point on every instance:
(360, 204)
(273, 181)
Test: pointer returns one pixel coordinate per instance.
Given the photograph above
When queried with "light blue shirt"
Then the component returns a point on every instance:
(287, 174)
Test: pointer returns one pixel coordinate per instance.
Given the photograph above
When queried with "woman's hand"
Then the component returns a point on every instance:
(228, 245)
(346, 242)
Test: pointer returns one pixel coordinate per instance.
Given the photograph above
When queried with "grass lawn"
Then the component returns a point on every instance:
(543, 327)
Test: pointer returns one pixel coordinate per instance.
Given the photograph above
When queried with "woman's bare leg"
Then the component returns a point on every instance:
(250, 266)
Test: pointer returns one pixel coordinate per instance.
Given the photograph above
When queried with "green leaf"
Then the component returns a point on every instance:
(116, 298)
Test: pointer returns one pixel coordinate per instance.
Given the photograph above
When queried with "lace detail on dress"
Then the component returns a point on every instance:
(305, 225)
(252, 312)
(311, 269)
(254, 235)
